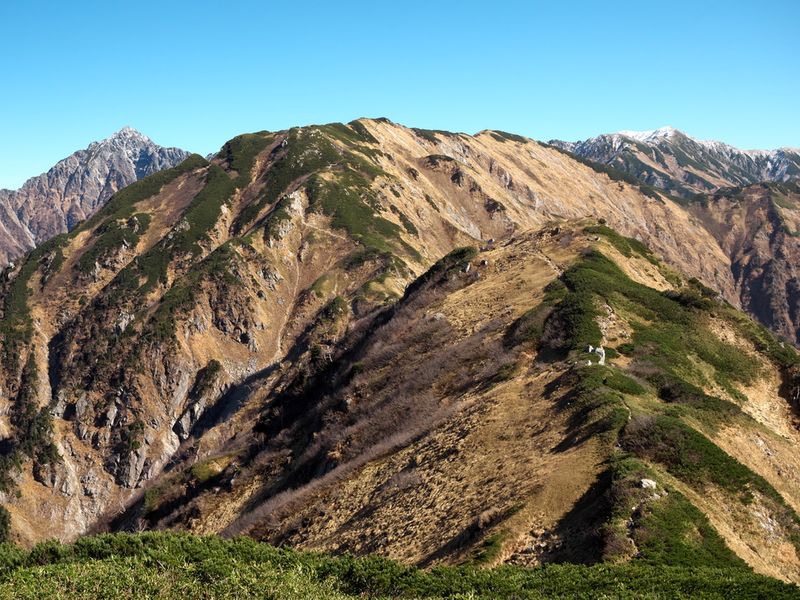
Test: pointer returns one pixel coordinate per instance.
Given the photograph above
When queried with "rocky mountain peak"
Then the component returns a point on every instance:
(75, 187)
(126, 135)
(127, 130)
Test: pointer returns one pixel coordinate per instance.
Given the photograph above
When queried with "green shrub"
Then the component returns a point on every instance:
(198, 219)
(132, 435)
(110, 237)
(664, 526)
(307, 150)
(430, 135)
(674, 390)
(671, 334)
(506, 372)
(175, 566)
(217, 268)
(336, 308)
(240, 154)
(349, 202)
(626, 246)
(407, 224)
(205, 470)
(693, 458)
(690, 298)
(502, 136)
(5, 525)
(595, 407)
(527, 329)
(626, 348)
(591, 279)
(32, 435)
(685, 453)
(782, 353)
(152, 500)
(489, 549)
(206, 378)
(276, 218)
(122, 204)
(671, 531)
(672, 346)
(15, 326)
(456, 260)
(622, 383)
(362, 132)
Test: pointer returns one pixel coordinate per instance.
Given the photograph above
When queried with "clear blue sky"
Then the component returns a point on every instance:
(193, 74)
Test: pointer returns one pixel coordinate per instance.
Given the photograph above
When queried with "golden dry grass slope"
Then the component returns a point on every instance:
(234, 347)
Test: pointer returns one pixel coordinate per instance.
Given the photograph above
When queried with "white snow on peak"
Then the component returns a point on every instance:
(654, 135)
(649, 136)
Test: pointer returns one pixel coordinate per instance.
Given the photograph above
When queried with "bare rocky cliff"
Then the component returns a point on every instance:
(71, 191)
(758, 227)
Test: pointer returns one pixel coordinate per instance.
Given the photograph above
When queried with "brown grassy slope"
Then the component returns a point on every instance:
(446, 434)
(258, 296)
(433, 440)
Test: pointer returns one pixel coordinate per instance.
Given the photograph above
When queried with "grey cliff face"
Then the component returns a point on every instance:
(76, 187)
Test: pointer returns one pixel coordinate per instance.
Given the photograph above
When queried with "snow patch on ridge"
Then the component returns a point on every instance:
(651, 135)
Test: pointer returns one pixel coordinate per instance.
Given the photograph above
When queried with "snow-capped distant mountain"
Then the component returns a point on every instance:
(76, 187)
(669, 159)
(649, 136)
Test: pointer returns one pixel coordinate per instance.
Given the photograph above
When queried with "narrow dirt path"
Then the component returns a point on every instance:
(550, 263)
(326, 231)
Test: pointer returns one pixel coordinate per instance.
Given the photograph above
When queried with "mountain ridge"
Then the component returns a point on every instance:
(671, 160)
(370, 338)
(667, 131)
(753, 220)
(367, 338)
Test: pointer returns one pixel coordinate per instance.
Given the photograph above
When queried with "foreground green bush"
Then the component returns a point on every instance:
(164, 565)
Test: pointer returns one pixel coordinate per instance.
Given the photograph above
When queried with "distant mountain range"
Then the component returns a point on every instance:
(74, 188)
(669, 159)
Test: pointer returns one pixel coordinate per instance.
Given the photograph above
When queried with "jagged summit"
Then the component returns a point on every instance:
(669, 134)
(127, 132)
(75, 187)
(128, 142)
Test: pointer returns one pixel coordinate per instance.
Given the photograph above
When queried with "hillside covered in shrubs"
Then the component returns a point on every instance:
(174, 567)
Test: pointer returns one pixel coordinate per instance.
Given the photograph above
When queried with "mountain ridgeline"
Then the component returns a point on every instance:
(367, 338)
